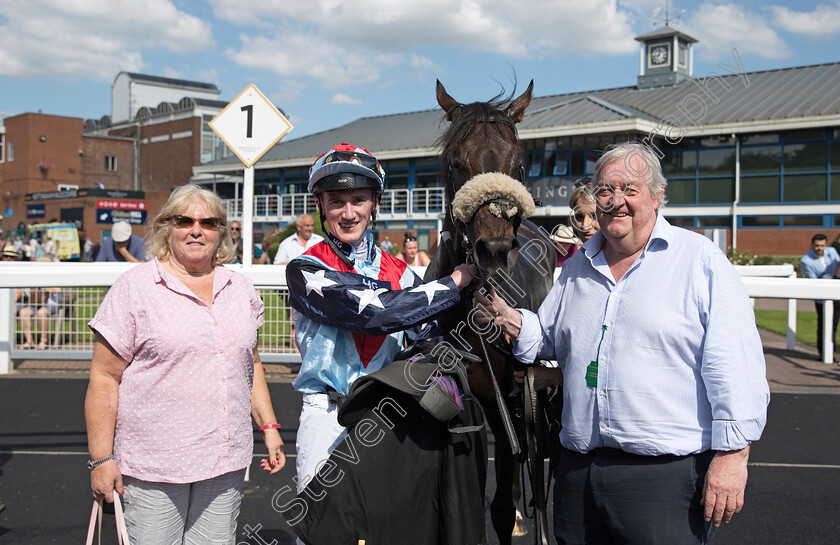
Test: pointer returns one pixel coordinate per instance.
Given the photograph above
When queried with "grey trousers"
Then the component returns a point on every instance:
(199, 513)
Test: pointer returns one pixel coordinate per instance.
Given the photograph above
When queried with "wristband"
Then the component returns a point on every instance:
(269, 426)
(92, 464)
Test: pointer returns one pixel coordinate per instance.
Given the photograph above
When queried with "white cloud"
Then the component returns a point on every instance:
(722, 27)
(92, 38)
(345, 43)
(823, 22)
(341, 98)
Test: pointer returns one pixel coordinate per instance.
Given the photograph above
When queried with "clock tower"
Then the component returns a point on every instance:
(667, 57)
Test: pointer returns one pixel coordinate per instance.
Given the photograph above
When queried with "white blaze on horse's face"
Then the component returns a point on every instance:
(348, 212)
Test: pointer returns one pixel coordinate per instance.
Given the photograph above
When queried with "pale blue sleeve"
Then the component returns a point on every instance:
(732, 368)
(536, 336)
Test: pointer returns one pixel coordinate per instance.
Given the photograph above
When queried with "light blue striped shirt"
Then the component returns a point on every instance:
(680, 367)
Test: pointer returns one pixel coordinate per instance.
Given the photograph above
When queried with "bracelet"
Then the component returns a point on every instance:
(270, 426)
(92, 464)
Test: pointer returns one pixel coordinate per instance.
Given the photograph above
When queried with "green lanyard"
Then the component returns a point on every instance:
(592, 368)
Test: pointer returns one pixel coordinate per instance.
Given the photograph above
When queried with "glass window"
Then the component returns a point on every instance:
(535, 164)
(591, 158)
(2, 146)
(681, 222)
(578, 165)
(561, 164)
(802, 221)
(716, 141)
(805, 157)
(110, 163)
(11, 151)
(397, 163)
(716, 190)
(835, 156)
(716, 161)
(809, 187)
(761, 160)
(760, 189)
(396, 180)
(679, 163)
(425, 178)
(680, 191)
(812, 134)
(760, 221)
(426, 162)
(768, 138)
(716, 221)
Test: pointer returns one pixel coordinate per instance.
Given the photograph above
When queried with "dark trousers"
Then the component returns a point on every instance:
(610, 497)
(835, 321)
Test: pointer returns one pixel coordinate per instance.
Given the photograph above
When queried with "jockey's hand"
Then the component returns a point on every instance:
(463, 275)
(492, 308)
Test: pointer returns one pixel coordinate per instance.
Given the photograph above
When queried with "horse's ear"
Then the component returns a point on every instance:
(516, 109)
(446, 102)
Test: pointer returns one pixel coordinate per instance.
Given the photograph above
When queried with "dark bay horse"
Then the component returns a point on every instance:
(510, 252)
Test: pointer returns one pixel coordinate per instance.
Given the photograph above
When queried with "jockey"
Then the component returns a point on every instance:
(352, 303)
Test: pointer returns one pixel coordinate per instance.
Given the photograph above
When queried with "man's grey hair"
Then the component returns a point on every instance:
(299, 219)
(652, 174)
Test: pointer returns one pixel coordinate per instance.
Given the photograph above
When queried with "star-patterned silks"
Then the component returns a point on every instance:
(368, 297)
(430, 289)
(316, 282)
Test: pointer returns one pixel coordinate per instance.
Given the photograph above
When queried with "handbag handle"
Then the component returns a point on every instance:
(95, 525)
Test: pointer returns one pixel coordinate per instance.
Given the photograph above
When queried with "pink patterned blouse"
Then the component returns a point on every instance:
(185, 398)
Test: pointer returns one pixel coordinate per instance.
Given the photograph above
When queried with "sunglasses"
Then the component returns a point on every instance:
(410, 239)
(236, 228)
(186, 222)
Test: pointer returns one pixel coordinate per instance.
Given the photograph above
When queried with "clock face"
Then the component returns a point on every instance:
(658, 55)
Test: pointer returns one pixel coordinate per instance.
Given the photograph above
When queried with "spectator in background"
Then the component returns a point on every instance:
(821, 262)
(566, 243)
(583, 218)
(303, 239)
(122, 246)
(410, 254)
(259, 256)
(41, 303)
(9, 253)
(386, 245)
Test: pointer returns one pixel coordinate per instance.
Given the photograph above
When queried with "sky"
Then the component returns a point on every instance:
(325, 63)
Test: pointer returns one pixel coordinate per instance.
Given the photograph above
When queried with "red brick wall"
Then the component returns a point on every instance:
(95, 149)
(776, 241)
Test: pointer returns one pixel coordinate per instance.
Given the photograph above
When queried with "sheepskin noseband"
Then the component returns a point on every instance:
(489, 186)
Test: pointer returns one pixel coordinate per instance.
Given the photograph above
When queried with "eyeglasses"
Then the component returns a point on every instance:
(236, 228)
(186, 222)
(11, 257)
(410, 239)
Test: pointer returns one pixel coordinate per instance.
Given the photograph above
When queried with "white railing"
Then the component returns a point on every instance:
(396, 203)
(84, 285)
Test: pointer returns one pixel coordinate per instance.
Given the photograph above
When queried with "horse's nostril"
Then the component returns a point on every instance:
(494, 253)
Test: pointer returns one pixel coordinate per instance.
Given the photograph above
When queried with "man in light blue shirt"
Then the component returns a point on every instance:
(821, 262)
(664, 382)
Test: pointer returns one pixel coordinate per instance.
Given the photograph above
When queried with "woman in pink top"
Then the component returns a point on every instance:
(175, 380)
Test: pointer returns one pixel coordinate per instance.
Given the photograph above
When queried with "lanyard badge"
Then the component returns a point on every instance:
(592, 368)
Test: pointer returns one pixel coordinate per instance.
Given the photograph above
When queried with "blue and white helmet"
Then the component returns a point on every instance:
(346, 167)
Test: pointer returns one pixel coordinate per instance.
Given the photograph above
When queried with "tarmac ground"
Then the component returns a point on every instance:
(791, 494)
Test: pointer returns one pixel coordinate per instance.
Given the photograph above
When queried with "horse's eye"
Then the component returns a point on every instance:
(456, 164)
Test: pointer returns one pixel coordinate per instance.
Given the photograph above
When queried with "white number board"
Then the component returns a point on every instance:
(250, 125)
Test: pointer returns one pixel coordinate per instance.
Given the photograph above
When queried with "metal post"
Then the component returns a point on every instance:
(7, 332)
(791, 321)
(828, 332)
(248, 217)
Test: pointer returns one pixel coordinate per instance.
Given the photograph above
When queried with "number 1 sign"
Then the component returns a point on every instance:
(250, 125)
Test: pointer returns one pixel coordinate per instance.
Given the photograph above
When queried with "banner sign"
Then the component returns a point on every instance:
(36, 211)
(134, 217)
(121, 205)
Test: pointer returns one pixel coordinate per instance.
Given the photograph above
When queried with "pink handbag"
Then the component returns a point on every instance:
(96, 522)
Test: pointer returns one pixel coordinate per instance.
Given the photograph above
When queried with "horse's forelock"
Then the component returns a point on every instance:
(488, 115)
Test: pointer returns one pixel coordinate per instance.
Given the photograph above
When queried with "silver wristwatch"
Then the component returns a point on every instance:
(93, 463)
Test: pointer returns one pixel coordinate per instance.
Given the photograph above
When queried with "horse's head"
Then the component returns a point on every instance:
(482, 139)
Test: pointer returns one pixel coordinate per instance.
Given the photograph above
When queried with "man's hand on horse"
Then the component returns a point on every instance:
(463, 275)
(543, 377)
(492, 308)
